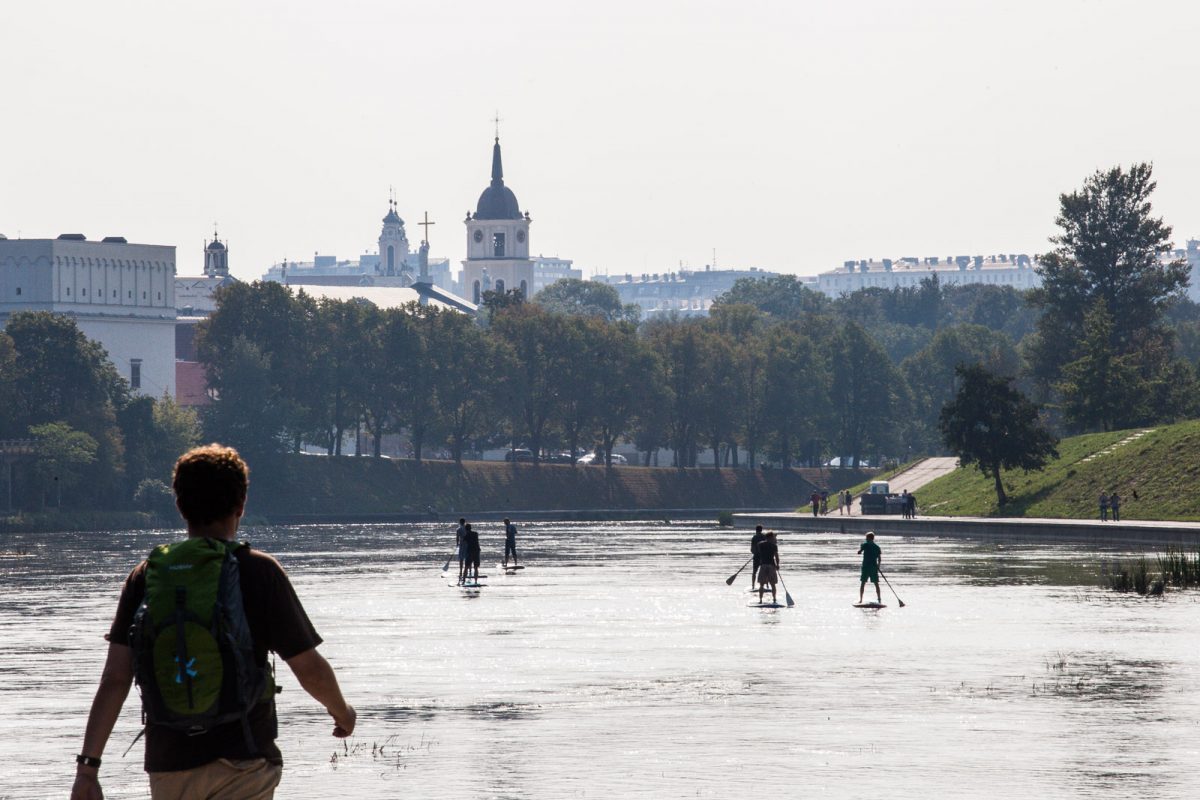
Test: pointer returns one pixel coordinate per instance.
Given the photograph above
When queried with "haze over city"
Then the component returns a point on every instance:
(638, 136)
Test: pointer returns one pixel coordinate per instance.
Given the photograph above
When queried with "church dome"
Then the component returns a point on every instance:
(497, 200)
(392, 216)
(215, 246)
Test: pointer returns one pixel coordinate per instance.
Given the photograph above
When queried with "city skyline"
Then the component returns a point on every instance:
(638, 137)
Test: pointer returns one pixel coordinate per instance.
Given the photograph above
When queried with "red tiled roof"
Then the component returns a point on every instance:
(191, 384)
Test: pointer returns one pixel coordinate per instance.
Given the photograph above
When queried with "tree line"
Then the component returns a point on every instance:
(775, 374)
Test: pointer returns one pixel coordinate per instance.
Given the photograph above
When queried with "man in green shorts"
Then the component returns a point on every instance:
(870, 567)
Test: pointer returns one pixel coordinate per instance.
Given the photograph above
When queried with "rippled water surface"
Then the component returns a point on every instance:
(621, 665)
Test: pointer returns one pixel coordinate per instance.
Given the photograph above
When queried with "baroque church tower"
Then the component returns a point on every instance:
(393, 243)
(216, 258)
(497, 240)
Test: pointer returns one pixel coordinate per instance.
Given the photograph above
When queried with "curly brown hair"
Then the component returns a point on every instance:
(210, 483)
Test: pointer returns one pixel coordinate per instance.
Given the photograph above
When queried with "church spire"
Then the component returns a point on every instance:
(497, 168)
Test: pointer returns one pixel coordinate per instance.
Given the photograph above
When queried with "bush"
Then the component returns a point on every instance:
(156, 497)
(725, 519)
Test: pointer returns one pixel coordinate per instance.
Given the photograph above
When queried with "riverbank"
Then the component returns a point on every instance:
(321, 490)
(1149, 533)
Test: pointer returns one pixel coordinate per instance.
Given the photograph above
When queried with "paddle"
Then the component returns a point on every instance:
(889, 583)
(787, 595)
(448, 560)
(728, 581)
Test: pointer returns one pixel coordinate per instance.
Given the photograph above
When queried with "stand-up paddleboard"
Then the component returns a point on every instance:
(466, 586)
(511, 567)
(765, 605)
(871, 606)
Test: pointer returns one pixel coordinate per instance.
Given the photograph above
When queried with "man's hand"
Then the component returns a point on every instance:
(343, 724)
(87, 785)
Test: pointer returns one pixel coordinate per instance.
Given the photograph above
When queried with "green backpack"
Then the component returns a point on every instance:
(193, 652)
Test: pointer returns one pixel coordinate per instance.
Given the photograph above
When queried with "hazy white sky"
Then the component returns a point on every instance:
(784, 135)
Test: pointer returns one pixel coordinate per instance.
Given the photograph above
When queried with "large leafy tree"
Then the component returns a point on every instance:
(868, 394)
(587, 299)
(1102, 388)
(469, 369)
(536, 339)
(783, 297)
(63, 456)
(795, 392)
(931, 372)
(1108, 250)
(992, 425)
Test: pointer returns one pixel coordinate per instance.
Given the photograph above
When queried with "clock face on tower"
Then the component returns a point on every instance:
(478, 237)
(521, 236)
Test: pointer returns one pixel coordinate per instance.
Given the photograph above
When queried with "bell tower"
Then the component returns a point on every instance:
(216, 257)
(497, 239)
(393, 243)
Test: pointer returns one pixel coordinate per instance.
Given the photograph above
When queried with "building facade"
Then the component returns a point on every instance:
(687, 292)
(393, 263)
(119, 294)
(1015, 270)
(497, 241)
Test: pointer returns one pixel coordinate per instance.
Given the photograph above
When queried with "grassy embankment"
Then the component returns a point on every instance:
(1162, 467)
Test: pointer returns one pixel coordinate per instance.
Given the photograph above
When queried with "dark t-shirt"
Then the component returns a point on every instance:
(755, 541)
(767, 551)
(870, 553)
(277, 624)
(510, 532)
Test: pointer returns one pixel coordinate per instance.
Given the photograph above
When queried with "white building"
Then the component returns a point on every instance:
(1190, 254)
(1017, 271)
(394, 263)
(497, 241)
(551, 269)
(687, 292)
(194, 293)
(119, 294)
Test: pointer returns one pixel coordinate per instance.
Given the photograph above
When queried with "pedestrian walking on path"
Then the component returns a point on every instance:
(1104, 507)
(1115, 503)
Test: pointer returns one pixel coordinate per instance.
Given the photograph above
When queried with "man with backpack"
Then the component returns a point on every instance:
(193, 626)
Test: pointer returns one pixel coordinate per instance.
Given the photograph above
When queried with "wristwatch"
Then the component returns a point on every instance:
(87, 761)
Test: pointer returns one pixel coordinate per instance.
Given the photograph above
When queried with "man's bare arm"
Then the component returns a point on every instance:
(106, 708)
(317, 678)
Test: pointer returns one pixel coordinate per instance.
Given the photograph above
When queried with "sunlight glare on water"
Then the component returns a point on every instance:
(619, 664)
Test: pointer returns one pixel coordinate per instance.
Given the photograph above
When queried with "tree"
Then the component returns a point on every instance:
(63, 453)
(992, 425)
(795, 392)
(586, 299)
(467, 367)
(867, 394)
(931, 372)
(1109, 249)
(250, 412)
(783, 297)
(1102, 388)
(536, 339)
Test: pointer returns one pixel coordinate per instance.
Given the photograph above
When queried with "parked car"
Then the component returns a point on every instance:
(559, 458)
(519, 454)
(592, 458)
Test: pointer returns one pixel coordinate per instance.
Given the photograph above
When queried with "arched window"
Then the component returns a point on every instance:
(499, 287)
(475, 293)
(524, 290)
(391, 260)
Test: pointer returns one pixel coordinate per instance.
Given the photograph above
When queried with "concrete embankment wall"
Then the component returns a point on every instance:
(317, 489)
(1139, 533)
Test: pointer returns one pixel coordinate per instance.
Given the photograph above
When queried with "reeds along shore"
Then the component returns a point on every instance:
(1176, 569)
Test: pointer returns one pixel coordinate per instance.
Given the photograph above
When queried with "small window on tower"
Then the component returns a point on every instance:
(135, 373)
(498, 245)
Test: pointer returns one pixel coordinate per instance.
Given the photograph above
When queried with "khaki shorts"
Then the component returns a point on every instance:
(251, 779)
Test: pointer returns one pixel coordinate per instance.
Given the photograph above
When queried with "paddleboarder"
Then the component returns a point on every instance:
(755, 541)
(460, 547)
(471, 546)
(768, 568)
(870, 566)
(510, 542)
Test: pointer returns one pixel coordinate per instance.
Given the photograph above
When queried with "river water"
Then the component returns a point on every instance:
(619, 664)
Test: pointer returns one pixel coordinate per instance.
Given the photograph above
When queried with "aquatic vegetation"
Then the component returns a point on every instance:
(1176, 569)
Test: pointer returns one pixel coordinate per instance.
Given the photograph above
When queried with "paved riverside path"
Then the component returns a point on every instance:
(922, 473)
(1030, 529)
(918, 475)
